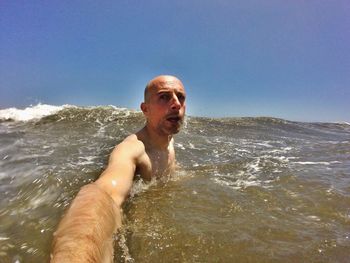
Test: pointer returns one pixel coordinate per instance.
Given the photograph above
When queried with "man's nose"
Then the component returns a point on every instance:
(175, 104)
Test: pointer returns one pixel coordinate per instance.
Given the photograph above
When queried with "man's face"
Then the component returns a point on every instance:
(165, 106)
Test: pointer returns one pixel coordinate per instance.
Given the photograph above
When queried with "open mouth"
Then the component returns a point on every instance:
(173, 119)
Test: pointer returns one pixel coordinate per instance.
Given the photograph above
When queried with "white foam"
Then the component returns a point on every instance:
(192, 146)
(323, 163)
(179, 145)
(30, 113)
(242, 150)
(265, 144)
(122, 242)
(238, 184)
(314, 218)
(253, 167)
(85, 160)
(282, 150)
(140, 186)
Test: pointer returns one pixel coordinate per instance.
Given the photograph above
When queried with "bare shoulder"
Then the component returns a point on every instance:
(131, 147)
(117, 178)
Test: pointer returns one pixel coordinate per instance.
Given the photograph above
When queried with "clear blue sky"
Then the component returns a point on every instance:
(287, 59)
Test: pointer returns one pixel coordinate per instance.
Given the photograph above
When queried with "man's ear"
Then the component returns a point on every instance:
(144, 108)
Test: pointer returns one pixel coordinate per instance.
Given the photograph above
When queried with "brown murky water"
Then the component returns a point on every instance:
(248, 190)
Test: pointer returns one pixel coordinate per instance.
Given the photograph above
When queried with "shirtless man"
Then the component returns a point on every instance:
(85, 234)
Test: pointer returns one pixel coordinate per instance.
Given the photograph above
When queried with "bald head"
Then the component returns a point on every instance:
(164, 105)
(160, 81)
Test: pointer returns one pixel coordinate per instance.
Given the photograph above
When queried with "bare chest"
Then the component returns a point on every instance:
(156, 164)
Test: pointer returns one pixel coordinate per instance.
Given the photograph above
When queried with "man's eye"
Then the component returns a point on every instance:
(181, 97)
(164, 97)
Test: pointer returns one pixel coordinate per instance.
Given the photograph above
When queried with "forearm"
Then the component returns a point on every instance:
(86, 231)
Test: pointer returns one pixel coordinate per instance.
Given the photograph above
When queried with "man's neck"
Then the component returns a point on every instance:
(155, 140)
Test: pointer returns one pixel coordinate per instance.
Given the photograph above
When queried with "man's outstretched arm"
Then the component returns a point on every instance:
(85, 234)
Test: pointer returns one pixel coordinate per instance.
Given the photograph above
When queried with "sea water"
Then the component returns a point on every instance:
(247, 189)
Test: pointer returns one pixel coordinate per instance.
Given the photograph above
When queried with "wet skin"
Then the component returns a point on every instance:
(85, 233)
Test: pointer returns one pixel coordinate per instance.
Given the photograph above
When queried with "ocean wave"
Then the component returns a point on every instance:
(30, 113)
(107, 113)
(41, 111)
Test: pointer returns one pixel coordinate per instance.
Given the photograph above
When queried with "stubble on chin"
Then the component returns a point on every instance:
(166, 131)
